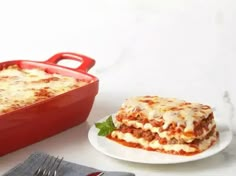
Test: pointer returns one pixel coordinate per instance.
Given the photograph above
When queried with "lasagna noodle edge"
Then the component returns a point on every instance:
(155, 145)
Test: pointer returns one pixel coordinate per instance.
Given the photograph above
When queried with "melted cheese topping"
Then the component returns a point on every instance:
(21, 87)
(172, 110)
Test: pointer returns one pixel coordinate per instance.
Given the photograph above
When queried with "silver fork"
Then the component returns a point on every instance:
(49, 166)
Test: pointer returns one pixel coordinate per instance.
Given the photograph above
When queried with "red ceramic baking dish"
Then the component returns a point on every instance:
(38, 121)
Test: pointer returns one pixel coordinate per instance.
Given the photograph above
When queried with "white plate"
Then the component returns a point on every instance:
(116, 150)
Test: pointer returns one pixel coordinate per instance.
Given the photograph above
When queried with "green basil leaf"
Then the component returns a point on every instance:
(106, 127)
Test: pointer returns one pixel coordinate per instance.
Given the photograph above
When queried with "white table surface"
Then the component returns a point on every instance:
(183, 49)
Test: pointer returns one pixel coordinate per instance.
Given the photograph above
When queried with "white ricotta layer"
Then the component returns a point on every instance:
(128, 137)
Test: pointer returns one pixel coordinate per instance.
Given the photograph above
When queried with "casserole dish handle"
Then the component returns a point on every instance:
(86, 62)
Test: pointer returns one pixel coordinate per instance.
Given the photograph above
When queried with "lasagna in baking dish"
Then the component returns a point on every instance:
(165, 124)
(21, 87)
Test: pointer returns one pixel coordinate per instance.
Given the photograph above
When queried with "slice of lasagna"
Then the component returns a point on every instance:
(165, 124)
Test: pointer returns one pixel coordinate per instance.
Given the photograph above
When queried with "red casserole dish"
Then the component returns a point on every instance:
(38, 121)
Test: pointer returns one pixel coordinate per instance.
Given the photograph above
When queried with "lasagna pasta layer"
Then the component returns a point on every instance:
(170, 133)
(172, 147)
(166, 124)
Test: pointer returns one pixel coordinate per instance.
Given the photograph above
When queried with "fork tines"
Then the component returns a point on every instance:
(49, 166)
